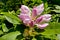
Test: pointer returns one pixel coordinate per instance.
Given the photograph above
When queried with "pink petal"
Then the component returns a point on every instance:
(46, 20)
(24, 16)
(31, 24)
(39, 19)
(42, 26)
(25, 9)
(40, 9)
(37, 10)
(26, 21)
(34, 13)
(46, 17)
(43, 18)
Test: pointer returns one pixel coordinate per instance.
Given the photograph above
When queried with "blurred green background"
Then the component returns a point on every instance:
(10, 24)
(10, 5)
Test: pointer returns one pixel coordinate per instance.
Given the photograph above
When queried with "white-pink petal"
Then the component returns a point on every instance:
(42, 26)
(24, 16)
(25, 9)
(46, 15)
(40, 9)
(46, 18)
(37, 10)
(26, 21)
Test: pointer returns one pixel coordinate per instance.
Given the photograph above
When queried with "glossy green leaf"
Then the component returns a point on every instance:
(52, 30)
(57, 11)
(45, 5)
(4, 28)
(1, 32)
(58, 36)
(10, 36)
(49, 34)
(34, 39)
(57, 7)
(12, 18)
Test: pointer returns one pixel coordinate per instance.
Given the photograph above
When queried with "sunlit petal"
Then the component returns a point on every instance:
(42, 26)
(40, 9)
(26, 21)
(25, 9)
(24, 16)
(37, 10)
(46, 17)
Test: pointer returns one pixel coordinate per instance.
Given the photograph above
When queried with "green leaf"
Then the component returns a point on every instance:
(1, 32)
(34, 38)
(53, 25)
(0, 26)
(1, 17)
(45, 5)
(10, 36)
(49, 34)
(5, 29)
(47, 10)
(12, 12)
(1, 39)
(57, 11)
(58, 36)
(12, 18)
(51, 30)
(39, 1)
(57, 7)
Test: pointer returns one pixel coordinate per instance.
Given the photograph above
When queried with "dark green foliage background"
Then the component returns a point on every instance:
(12, 28)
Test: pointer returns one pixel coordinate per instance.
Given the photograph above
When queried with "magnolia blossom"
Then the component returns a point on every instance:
(31, 18)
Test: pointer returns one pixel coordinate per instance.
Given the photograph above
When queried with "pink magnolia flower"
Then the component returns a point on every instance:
(31, 18)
